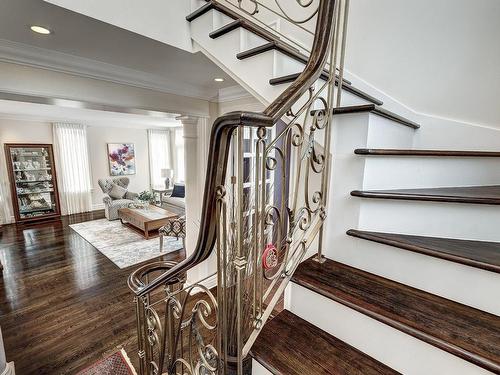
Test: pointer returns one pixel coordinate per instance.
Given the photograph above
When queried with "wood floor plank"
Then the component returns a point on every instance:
(63, 304)
(292, 346)
(466, 332)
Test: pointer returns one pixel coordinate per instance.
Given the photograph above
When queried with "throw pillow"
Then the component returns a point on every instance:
(117, 192)
(179, 191)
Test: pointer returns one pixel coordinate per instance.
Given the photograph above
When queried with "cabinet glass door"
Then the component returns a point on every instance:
(33, 175)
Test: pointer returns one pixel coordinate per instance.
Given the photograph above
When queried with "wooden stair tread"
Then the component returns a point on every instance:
(290, 345)
(273, 45)
(200, 11)
(466, 194)
(325, 76)
(378, 111)
(479, 254)
(226, 29)
(466, 332)
(408, 152)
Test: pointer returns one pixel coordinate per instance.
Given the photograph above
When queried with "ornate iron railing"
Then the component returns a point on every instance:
(264, 205)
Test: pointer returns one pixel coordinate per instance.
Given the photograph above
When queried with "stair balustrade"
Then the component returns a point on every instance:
(264, 206)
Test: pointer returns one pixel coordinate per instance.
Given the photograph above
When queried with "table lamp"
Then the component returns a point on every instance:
(167, 174)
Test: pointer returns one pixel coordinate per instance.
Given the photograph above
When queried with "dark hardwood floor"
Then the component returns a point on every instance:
(63, 304)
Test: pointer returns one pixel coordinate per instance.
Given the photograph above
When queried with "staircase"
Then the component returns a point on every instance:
(396, 271)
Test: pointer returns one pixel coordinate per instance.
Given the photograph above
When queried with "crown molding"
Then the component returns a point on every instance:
(232, 93)
(24, 54)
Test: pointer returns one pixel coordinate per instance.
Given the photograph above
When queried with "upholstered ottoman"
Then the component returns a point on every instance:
(174, 228)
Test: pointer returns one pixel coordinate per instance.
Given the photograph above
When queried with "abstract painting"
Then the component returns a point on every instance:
(121, 158)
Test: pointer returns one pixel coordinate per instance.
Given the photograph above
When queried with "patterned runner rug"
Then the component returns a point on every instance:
(116, 364)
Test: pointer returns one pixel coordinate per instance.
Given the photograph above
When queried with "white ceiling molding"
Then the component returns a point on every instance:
(24, 54)
(34, 112)
(232, 93)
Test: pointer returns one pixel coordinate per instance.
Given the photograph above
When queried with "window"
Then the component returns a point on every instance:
(159, 156)
(166, 151)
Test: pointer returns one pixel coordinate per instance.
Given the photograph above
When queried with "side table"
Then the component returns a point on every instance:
(161, 193)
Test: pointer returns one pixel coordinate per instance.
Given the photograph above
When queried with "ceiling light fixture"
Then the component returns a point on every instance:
(40, 30)
(219, 79)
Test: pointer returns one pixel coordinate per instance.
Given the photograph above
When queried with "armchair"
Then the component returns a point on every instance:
(112, 205)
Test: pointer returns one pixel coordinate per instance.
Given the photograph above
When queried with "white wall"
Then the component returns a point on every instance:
(98, 138)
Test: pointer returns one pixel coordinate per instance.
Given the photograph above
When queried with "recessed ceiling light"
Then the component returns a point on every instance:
(40, 30)
(219, 79)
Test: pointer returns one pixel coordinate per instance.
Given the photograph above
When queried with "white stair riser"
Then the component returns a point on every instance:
(360, 130)
(219, 20)
(396, 349)
(419, 172)
(249, 40)
(461, 283)
(258, 369)
(436, 219)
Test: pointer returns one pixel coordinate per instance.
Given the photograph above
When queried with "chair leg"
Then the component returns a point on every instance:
(161, 242)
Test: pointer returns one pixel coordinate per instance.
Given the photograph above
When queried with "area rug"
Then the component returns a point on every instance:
(116, 364)
(121, 244)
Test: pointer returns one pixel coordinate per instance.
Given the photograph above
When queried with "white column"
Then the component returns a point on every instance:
(196, 138)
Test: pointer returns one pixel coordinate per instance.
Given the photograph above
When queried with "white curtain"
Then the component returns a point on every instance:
(73, 167)
(5, 212)
(160, 156)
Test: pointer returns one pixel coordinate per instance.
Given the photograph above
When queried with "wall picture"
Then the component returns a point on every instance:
(121, 158)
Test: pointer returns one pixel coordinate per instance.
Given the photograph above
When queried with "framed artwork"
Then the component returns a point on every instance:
(121, 157)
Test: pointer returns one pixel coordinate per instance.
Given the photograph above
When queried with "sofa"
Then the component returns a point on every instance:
(113, 202)
(176, 201)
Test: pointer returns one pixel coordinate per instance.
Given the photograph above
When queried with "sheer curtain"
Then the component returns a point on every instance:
(73, 167)
(160, 156)
(5, 212)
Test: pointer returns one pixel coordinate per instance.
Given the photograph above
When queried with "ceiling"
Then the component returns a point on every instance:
(85, 37)
(439, 57)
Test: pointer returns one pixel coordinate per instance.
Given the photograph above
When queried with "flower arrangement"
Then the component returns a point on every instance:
(146, 196)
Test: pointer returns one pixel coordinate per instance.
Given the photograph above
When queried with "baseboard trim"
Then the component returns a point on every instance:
(209, 283)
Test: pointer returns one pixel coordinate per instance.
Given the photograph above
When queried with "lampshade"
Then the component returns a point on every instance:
(167, 172)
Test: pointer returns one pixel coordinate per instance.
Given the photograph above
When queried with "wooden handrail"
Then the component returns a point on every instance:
(220, 138)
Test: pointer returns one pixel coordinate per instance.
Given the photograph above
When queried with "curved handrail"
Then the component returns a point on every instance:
(215, 176)
(220, 138)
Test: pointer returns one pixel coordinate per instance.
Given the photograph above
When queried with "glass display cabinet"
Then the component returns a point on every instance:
(33, 181)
